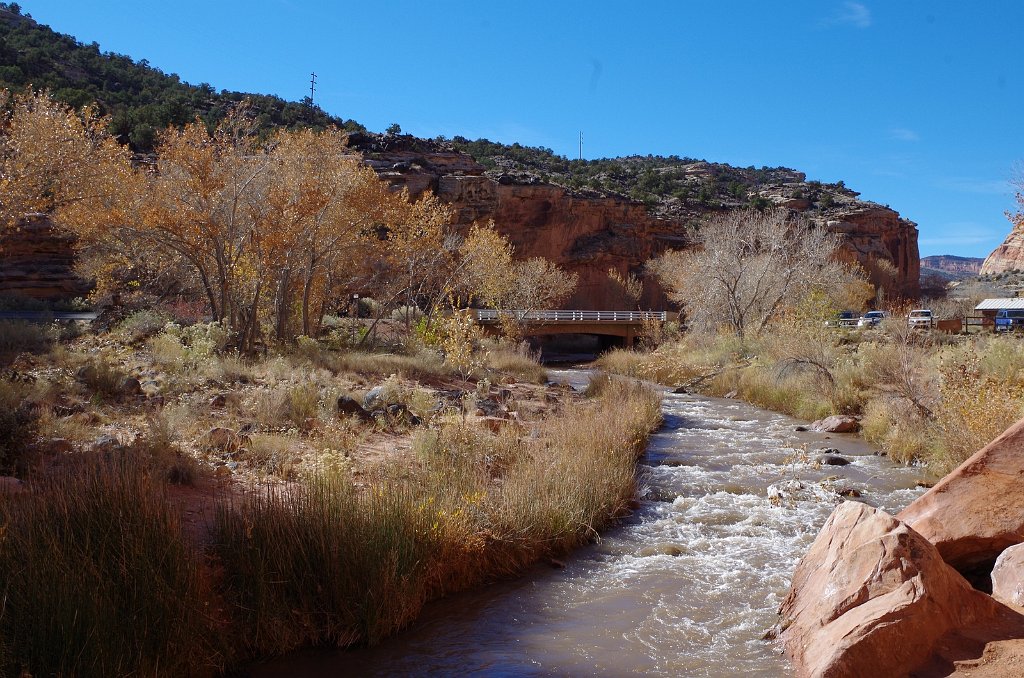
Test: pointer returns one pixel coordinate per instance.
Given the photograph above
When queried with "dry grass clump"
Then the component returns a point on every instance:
(99, 580)
(17, 336)
(141, 325)
(515, 360)
(325, 563)
(101, 378)
(272, 454)
(18, 424)
(422, 364)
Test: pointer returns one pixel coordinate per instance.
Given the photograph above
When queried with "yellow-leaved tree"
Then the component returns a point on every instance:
(58, 161)
(491, 275)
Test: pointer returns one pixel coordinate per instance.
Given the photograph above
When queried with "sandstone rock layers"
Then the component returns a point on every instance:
(37, 260)
(585, 232)
(874, 598)
(589, 233)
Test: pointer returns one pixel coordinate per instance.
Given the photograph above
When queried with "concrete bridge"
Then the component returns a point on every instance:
(624, 324)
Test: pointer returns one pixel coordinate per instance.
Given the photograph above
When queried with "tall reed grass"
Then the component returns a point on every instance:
(98, 579)
(325, 563)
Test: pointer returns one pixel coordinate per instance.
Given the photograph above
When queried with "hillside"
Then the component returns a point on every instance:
(140, 99)
(672, 187)
(587, 215)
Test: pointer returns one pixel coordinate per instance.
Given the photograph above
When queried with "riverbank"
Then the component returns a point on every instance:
(919, 396)
(318, 496)
(730, 498)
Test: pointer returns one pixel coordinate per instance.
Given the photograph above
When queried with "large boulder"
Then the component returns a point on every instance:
(874, 598)
(976, 511)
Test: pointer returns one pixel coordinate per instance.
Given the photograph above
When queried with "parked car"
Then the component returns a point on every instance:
(842, 319)
(871, 318)
(920, 317)
(1009, 319)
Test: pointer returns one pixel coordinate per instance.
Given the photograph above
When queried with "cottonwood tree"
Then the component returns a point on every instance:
(57, 161)
(490, 275)
(746, 267)
(270, 229)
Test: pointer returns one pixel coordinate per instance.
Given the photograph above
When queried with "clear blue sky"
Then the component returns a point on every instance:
(918, 105)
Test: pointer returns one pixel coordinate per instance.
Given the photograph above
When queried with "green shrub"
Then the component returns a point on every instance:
(142, 325)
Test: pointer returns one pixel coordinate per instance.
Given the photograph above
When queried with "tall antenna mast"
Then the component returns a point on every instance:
(312, 87)
(581, 144)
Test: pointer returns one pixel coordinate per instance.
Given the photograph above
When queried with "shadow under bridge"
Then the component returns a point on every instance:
(625, 324)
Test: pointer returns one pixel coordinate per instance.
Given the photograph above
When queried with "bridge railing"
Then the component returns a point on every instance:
(490, 315)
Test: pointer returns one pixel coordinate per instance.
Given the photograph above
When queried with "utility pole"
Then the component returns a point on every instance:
(312, 88)
(581, 144)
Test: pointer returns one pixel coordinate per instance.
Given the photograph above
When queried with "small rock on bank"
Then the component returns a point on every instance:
(837, 423)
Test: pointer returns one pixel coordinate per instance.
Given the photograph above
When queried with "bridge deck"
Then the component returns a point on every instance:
(625, 324)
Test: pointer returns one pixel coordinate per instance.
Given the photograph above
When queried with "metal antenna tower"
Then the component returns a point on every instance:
(581, 145)
(312, 87)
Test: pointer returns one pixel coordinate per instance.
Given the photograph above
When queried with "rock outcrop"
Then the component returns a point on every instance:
(874, 598)
(977, 511)
(37, 261)
(1009, 256)
(588, 232)
(583, 230)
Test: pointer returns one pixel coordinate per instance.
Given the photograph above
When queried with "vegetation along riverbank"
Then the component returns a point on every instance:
(179, 509)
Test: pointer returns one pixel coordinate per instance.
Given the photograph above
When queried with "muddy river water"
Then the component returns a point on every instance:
(686, 586)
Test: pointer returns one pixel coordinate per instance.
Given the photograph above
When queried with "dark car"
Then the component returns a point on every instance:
(1009, 319)
(842, 319)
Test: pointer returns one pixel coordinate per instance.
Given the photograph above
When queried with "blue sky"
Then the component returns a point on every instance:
(917, 105)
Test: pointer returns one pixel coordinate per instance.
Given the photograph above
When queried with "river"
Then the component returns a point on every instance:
(686, 586)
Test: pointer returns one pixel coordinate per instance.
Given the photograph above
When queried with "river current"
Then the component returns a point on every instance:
(731, 498)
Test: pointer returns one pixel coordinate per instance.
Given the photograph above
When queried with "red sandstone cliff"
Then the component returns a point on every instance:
(585, 232)
(590, 233)
(37, 261)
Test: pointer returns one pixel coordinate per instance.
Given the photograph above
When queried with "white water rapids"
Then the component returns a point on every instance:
(687, 586)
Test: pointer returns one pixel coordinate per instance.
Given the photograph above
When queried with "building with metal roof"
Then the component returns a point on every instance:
(997, 304)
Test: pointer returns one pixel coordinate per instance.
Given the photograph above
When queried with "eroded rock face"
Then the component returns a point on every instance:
(977, 511)
(583, 231)
(37, 260)
(587, 233)
(1009, 256)
(874, 598)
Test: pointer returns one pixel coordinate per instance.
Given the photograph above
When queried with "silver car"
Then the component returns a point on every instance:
(920, 317)
(871, 318)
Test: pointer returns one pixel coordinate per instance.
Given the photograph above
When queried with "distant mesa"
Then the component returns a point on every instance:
(950, 267)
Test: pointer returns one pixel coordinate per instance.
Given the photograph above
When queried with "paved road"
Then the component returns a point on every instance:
(46, 316)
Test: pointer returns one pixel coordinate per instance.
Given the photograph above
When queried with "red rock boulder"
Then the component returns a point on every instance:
(837, 423)
(874, 598)
(977, 511)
